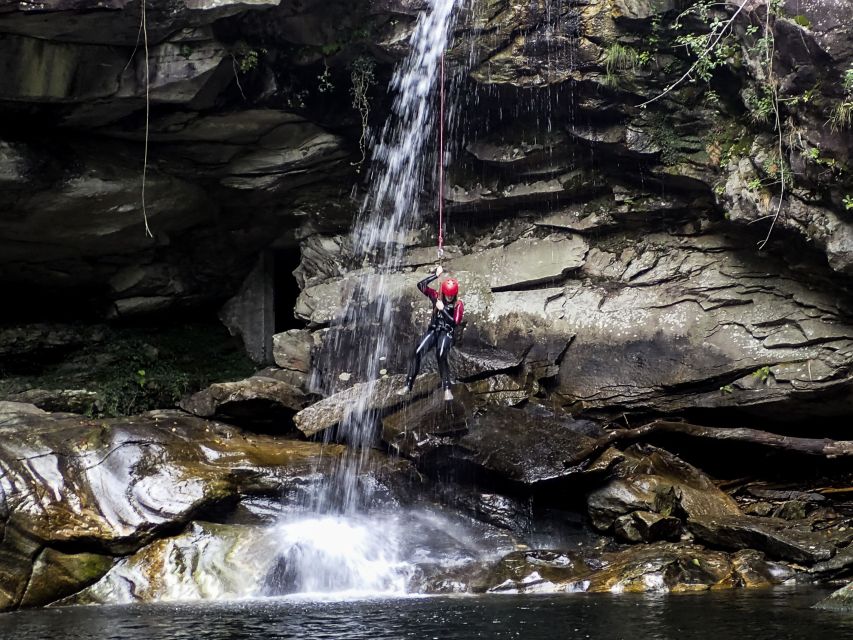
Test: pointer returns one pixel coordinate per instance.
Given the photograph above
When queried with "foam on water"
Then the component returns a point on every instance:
(341, 557)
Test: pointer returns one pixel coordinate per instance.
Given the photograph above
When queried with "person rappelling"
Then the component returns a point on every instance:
(447, 311)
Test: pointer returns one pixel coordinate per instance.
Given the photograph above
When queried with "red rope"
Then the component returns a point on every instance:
(441, 162)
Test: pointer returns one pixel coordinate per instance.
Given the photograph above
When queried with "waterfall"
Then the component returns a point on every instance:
(336, 550)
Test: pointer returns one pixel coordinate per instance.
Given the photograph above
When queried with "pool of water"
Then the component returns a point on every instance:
(743, 615)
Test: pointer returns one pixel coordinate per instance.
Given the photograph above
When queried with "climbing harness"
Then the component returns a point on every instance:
(441, 163)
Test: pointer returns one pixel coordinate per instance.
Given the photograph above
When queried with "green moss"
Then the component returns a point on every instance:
(802, 21)
(137, 369)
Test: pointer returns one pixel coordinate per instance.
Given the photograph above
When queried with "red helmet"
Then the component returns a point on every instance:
(449, 288)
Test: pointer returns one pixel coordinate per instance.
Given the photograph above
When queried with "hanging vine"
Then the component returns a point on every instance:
(363, 78)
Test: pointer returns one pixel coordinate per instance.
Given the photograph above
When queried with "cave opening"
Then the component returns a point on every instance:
(285, 289)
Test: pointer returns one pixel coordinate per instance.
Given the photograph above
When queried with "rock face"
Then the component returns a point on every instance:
(208, 561)
(656, 568)
(616, 262)
(112, 486)
(607, 253)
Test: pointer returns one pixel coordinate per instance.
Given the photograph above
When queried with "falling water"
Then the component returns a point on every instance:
(336, 550)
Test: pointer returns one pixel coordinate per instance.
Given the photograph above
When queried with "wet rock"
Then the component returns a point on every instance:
(841, 600)
(658, 567)
(292, 350)
(527, 446)
(17, 413)
(56, 575)
(63, 400)
(362, 397)
(646, 526)
(661, 567)
(534, 571)
(614, 333)
(418, 428)
(501, 389)
(503, 511)
(759, 508)
(653, 480)
(754, 570)
(208, 561)
(791, 510)
(773, 494)
(777, 538)
(253, 400)
(108, 487)
(837, 566)
(526, 261)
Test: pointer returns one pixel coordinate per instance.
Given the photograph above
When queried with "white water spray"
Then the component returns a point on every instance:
(338, 551)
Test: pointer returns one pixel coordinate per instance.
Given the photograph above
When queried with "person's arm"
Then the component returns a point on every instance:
(424, 287)
(458, 312)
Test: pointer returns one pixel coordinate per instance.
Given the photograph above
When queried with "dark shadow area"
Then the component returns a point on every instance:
(285, 289)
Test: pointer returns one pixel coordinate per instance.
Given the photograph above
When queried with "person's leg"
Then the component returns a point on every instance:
(442, 352)
(423, 346)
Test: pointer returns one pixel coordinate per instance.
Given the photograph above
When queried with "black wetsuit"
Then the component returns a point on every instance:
(439, 334)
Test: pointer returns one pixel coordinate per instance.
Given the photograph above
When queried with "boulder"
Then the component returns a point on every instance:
(360, 399)
(777, 538)
(526, 446)
(648, 479)
(646, 526)
(292, 350)
(108, 487)
(207, 561)
(56, 575)
(256, 400)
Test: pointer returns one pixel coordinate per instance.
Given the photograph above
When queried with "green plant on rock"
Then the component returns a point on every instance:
(842, 113)
(363, 77)
(715, 43)
(726, 389)
(848, 202)
(325, 80)
(245, 57)
(762, 374)
(761, 105)
(842, 116)
(618, 57)
(802, 21)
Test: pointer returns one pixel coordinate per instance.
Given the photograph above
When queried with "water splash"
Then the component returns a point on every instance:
(339, 557)
(339, 552)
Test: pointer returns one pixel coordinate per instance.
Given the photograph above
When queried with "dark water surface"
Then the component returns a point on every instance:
(757, 615)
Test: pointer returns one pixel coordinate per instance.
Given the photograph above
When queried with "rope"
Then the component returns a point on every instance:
(441, 163)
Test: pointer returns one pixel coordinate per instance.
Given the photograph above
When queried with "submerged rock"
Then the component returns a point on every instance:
(841, 600)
